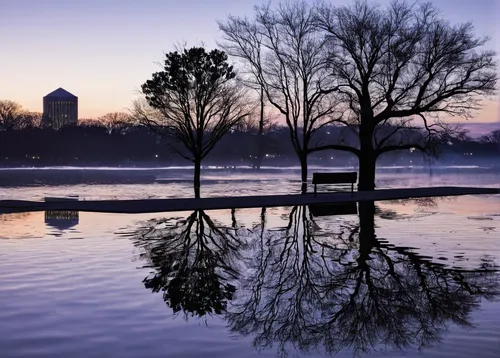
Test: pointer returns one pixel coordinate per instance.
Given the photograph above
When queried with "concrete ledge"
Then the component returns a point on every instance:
(237, 202)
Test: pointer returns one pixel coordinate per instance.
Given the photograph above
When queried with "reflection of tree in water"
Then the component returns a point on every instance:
(351, 290)
(309, 286)
(192, 259)
(287, 280)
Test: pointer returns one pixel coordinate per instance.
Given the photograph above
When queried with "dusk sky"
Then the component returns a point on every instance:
(103, 50)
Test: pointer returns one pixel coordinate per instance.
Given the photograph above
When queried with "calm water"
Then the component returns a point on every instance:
(412, 278)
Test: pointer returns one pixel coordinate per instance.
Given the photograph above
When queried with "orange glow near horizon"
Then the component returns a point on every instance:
(104, 64)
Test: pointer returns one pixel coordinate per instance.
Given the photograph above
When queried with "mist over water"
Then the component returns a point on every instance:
(142, 183)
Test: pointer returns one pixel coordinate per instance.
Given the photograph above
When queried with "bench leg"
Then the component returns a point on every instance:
(352, 188)
(314, 189)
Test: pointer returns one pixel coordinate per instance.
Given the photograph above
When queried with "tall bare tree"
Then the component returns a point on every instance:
(283, 53)
(196, 99)
(399, 68)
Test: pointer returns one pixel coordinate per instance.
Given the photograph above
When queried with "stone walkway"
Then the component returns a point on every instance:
(237, 202)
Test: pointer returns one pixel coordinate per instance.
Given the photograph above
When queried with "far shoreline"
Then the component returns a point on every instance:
(116, 175)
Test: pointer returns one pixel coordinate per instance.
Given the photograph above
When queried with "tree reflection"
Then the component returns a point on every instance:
(193, 259)
(351, 290)
(317, 284)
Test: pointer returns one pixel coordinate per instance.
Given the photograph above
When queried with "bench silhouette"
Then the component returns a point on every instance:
(334, 178)
(333, 209)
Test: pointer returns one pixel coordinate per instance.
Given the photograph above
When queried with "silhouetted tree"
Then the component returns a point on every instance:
(89, 122)
(196, 99)
(285, 55)
(493, 137)
(14, 117)
(26, 119)
(115, 121)
(9, 112)
(402, 67)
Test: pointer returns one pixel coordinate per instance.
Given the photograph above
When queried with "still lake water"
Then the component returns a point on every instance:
(402, 278)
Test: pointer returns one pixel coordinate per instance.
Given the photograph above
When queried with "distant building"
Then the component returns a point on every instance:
(60, 108)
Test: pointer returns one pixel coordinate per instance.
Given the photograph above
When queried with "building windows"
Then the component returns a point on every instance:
(60, 108)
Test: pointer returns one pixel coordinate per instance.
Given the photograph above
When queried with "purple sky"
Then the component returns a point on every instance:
(103, 50)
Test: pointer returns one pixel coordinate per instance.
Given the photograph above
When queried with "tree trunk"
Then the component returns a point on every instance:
(234, 224)
(303, 171)
(261, 130)
(197, 174)
(258, 160)
(367, 160)
(366, 173)
(367, 238)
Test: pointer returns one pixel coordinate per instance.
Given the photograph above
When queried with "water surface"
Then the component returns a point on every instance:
(413, 278)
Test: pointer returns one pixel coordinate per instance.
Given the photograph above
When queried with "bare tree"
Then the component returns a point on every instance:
(400, 68)
(26, 119)
(115, 121)
(255, 126)
(89, 122)
(196, 99)
(493, 137)
(284, 54)
(14, 117)
(9, 112)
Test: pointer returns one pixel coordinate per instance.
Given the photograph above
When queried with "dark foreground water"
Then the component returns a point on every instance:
(406, 278)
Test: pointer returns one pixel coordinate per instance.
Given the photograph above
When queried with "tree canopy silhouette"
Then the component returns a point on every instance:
(14, 117)
(389, 75)
(403, 66)
(196, 99)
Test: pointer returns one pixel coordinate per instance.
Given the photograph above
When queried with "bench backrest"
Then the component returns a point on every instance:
(334, 178)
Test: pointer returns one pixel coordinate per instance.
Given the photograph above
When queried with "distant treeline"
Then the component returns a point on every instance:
(97, 145)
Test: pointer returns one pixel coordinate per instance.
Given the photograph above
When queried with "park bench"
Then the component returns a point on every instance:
(334, 178)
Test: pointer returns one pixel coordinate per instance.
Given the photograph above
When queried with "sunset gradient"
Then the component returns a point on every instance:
(103, 50)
